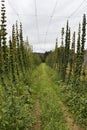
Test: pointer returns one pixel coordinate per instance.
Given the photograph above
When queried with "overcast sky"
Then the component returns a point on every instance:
(43, 19)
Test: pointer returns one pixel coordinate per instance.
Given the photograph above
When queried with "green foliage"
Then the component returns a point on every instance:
(17, 62)
(83, 37)
(80, 52)
(12, 65)
(78, 68)
(16, 66)
(15, 108)
(71, 60)
(1, 58)
(56, 55)
(36, 60)
(76, 102)
(67, 48)
(68, 64)
(51, 115)
(72, 82)
(50, 59)
(62, 37)
(3, 37)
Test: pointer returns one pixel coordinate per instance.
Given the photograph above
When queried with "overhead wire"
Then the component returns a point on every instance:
(14, 10)
(36, 16)
(33, 15)
(49, 23)
(76, 9)
(15, 13)
(51, 16)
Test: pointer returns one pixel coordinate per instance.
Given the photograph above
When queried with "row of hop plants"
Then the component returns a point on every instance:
(70, 61)
(16, 65)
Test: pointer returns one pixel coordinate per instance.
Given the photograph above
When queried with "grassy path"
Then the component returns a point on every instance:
(49, 112)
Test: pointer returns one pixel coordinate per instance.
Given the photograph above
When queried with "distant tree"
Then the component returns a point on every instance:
(45, 55)
(50, 59)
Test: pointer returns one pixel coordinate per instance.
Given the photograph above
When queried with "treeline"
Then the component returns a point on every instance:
(17, 62)
(70, 62)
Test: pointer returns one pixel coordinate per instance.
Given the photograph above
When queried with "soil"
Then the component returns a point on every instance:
(69, 119)
(37, 124)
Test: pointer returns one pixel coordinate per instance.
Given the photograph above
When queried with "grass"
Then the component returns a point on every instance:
(75, 102)
(51, 115)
